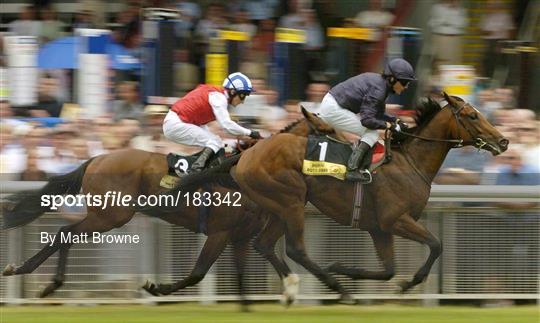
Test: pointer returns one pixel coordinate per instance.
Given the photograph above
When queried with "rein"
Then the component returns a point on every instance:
(458, 143)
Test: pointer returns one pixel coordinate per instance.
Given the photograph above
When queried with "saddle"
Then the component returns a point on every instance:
(328, 156)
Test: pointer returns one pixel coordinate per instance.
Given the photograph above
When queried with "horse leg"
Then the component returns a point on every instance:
(59, 277)
(212, 249)
(31, 264)
(384, 244)
(240, 255)
(296, 250)
(265, 245)
(408, 228)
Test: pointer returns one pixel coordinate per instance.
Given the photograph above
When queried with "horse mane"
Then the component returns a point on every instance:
(425, 112)
(292, 125)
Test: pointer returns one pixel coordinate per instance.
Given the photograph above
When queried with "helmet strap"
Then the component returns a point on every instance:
(232, 93)
(391, 80)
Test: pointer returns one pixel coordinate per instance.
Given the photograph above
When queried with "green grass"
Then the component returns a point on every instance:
(180, 313)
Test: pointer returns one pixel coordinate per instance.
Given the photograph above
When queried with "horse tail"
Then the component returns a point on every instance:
(215, 175)
(27, 204)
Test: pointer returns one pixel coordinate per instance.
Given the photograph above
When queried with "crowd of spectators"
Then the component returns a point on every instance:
(55, 137)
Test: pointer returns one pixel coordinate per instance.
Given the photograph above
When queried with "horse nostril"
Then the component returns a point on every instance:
(504, 143)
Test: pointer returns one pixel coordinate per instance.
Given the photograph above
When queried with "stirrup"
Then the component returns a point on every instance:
(361, 175)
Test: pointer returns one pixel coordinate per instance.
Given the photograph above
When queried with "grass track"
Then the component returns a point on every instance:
(183, 313)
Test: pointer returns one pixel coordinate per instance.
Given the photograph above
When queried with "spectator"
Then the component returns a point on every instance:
(242, 23)
(313, 29)
(32, 172)
(462, 166)
(185, 73)
(47, 100)
(529, 143)
(211, 23)
(84, 19)
(293, 19)
(52, 28)
(513, 171)
(12, 154)
(315, 92)
(376, 18)
(496, 25)
(152, 132)
(26, 25)
(264, 39)
(128, 104)
(190, 12)
(260, 9)
(448, 23)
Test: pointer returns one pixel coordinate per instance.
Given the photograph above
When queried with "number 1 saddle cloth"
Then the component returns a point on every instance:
(328, 156)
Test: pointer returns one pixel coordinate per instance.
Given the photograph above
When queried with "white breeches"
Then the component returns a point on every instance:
(342, 119)
(189, 134)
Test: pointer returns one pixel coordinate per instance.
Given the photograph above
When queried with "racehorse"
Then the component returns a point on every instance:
(393, 202)
(135, 172)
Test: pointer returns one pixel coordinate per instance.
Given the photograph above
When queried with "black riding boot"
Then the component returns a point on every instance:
(200, 163)
(357, 159)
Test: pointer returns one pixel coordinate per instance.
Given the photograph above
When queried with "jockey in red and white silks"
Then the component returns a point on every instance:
(185, 122)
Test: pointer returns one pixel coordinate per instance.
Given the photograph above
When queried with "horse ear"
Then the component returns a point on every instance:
(305, 112)
(451, 100)
(315, 122)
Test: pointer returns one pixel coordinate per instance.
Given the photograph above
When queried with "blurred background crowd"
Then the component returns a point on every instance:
(493, 44)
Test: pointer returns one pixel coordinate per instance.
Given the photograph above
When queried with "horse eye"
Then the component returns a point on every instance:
(473, 116)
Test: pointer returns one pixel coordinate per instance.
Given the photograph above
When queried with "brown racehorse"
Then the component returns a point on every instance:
(138, 172)
(393, 201)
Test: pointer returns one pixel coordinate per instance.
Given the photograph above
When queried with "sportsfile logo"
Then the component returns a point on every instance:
(119, 199)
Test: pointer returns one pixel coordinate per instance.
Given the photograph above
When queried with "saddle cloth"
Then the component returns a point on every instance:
(328, 156)
(180, 164)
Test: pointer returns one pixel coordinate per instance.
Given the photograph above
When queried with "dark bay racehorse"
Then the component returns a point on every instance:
(135, 172)
(270, 173)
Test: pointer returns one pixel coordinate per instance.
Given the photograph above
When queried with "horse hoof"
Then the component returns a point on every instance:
(164, 289)
(9, 270)
(287, 300)
(150, 288)
(332, 268)
(347, 299)
(404, 286)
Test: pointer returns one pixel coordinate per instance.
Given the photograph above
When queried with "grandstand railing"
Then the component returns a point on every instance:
(489, 253)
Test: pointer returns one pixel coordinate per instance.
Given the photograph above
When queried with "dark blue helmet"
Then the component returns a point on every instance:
(400, 69)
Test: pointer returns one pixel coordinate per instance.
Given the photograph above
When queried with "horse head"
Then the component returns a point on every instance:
(473, 128)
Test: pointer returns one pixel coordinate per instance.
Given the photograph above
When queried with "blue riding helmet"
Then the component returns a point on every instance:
(238, 82)
(400, 69)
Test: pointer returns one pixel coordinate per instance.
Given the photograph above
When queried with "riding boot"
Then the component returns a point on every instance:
(357, 158)
(200, 163)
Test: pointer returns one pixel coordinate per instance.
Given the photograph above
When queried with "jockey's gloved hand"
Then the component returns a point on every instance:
(402, 125)
(255, 135)
(395, 127)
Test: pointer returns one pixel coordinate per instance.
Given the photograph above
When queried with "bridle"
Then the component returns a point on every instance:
(458, 143)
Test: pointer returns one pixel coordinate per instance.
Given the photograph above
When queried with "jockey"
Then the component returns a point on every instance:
(357, 105)
(185, 122)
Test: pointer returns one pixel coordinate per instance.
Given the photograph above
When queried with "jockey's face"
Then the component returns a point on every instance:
(398, 87)
(236, 100)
